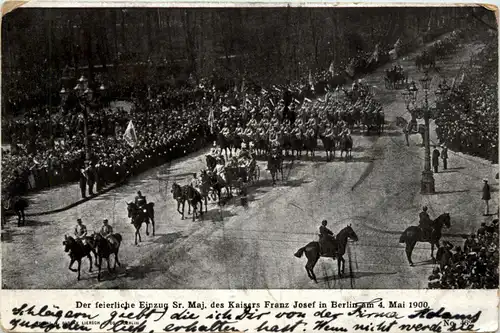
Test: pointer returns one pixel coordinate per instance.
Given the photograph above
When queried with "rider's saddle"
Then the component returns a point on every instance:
(426, 233)
(327, 246)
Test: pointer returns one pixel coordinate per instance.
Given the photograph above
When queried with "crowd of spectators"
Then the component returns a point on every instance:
(468, 120)
(471, 266)
(170, 121)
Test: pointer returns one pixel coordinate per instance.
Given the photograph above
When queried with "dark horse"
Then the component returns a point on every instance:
(414, 234)
(105, 247)
(211, 162)
(77, 250)
(194, 198)
(329, 146)
(224, 144)
(275, 165)
(346, 146)
(312, 252)
(139, 216)
(19, 205)
(179, 194)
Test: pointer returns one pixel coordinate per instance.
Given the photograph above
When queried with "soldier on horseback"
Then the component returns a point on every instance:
(425, 222)
(141, 201)
(107, 231)
(196, 182)
(326, 239)
(80, 231)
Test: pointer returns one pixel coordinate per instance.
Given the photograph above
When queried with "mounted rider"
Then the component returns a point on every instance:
(225, 130)
(425, 222)
(141, 202)
(196, 182)
(328, 131)
(220, 168)
(80, 231)
(326, 239)
(107, 232)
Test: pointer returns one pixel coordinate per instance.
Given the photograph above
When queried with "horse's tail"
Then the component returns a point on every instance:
(402, 239)
(300, 252)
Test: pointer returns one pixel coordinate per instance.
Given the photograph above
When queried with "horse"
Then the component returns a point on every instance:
(346, 146)
(380, 121)
(194, 198)
(310, 144)
(139, 217)
(224, 144)
(208, 179)
(211, 162)
(105, 247)
(329, 145)
(275, 165)
(179, 194)
(312, 251)
(77, 250)
(19, 205)
(414, 234)
(297, 145)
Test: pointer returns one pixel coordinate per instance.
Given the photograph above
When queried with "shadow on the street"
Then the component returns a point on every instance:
(451, 192)
(424, 263)
(215, 215)
(354, 275)
(169, 238)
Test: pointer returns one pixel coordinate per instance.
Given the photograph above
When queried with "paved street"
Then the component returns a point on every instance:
(377, 192)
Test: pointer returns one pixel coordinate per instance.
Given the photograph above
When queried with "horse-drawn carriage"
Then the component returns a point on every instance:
(395, 78)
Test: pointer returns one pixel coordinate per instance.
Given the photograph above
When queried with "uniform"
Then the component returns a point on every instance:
(326, 240)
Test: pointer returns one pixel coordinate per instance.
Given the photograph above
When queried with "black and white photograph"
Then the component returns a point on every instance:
(247, 147)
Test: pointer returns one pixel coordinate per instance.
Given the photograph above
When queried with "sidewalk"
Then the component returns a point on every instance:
(60, 198)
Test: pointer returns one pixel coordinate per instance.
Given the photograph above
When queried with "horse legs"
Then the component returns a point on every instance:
(71, 265)
(99, 266)
(310, 268)
(117, 261)
(183, 205)
(22, 214)
(147, 228)
(409, 250)
(153, 225)
(339, 265)
(107, 261)
(90, 262)
(79, 265)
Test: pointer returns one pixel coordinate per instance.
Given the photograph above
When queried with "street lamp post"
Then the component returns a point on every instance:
(427, 182)
(85, 96)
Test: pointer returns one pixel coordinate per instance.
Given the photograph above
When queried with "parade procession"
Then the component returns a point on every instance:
(331, 149)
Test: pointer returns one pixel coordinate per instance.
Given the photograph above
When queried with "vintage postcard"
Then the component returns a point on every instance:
(250, 167)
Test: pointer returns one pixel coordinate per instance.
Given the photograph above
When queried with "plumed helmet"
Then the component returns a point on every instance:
(324, 222)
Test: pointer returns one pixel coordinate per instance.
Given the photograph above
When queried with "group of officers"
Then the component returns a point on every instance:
(106, 230)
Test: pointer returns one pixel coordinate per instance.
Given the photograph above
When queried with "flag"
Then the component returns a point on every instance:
(130, 136)
(331, 69)
(453, 83)
(462, 78)
(211, 120)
